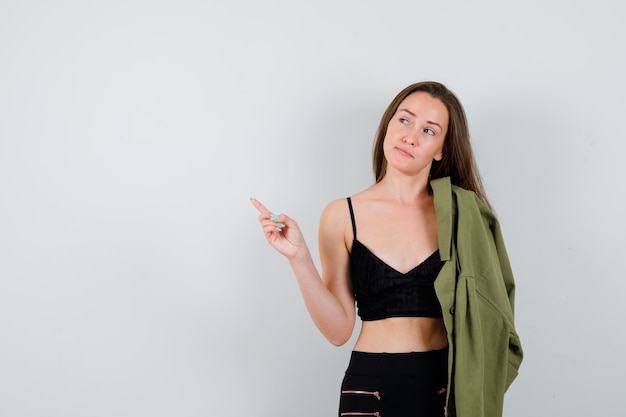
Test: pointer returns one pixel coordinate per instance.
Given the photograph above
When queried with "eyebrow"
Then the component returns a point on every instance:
(427, 121)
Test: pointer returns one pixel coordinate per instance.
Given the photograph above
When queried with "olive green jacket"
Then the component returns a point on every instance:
(476, 290)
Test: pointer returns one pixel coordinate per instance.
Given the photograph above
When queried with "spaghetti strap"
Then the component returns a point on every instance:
(352, 217)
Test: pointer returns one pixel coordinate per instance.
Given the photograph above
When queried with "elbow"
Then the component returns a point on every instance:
(338, 342)
(340, 338)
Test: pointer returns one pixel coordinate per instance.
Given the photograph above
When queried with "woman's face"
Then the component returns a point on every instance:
(415, 134)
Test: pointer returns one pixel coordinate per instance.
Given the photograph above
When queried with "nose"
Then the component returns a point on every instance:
(409, 139)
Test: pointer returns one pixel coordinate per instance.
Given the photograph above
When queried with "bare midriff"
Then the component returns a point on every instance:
(402, 334)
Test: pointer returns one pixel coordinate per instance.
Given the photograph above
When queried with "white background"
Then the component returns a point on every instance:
(134, 277)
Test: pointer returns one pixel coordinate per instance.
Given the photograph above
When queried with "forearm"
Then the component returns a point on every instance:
(325, 309)
(329, 302)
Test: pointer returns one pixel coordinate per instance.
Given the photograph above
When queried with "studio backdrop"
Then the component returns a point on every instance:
(134, 277)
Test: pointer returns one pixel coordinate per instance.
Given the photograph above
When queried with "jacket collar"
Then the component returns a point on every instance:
(442, 191)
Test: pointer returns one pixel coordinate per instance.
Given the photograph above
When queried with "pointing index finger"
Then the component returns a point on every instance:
(256, 203)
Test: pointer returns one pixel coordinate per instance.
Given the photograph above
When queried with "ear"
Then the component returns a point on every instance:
(439, 156)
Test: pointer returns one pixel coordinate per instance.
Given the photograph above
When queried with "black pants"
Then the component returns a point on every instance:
(395, 384)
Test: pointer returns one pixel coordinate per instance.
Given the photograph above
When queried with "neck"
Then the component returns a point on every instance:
(406, 189)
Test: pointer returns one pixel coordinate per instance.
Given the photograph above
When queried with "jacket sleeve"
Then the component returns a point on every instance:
(505, 266)
(515, 355)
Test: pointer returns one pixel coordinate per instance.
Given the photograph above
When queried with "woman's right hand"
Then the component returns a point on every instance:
(281, 231)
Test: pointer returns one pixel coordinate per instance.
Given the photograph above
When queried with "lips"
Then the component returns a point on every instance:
(404, 153)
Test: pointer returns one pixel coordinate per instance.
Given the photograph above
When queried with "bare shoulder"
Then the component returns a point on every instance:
(335, 215)
(367, 195)
(335, 220)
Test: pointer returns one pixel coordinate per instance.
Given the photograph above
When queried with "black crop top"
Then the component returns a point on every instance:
(382, 292)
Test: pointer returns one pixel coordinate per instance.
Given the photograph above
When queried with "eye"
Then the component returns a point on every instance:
(429, 132)
(404, 120)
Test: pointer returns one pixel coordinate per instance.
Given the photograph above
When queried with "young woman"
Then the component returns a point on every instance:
(421, 254)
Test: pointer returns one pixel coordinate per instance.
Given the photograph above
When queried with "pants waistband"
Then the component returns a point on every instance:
(386, 364)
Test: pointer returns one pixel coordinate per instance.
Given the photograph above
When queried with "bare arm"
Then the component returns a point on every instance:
(328, 300)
